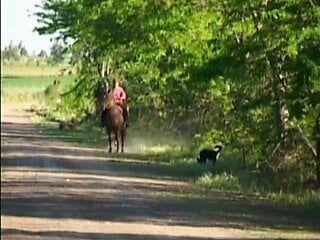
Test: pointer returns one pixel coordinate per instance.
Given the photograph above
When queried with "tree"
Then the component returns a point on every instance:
(11, 52)
(43, 54)
(57, 53)
(274, 72)
(14, 51)
(22, 50)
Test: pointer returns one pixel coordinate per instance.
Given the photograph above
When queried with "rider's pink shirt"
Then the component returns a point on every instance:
(119, 95)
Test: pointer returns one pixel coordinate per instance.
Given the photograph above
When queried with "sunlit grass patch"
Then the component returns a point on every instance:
(221, 181)
(160, 148)
(309, 199)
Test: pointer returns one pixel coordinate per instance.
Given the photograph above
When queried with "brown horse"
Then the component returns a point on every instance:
(112, 117)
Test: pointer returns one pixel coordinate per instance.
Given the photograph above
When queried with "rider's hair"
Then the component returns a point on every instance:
(117, 80)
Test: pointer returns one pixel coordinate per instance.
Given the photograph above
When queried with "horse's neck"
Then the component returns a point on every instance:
(112, 105)
(109, 105)
(108, 99)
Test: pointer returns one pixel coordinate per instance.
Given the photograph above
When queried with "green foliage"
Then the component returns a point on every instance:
(243, 73)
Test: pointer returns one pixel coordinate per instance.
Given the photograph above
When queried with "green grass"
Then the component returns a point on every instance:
(31, 83)
(23, 81)
(16, 89)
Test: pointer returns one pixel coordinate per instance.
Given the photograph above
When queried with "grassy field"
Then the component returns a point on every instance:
(32, 83)
(28, 88)
(27, 78)
(21, 69)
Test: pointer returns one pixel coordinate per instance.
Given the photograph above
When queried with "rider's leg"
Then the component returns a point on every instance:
(125, 114)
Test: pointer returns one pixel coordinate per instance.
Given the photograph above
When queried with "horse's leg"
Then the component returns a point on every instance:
(117, 133)
(110, 141)
(123, 135)
(122, 141)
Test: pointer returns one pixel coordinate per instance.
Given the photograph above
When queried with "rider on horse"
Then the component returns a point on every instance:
(119, 98)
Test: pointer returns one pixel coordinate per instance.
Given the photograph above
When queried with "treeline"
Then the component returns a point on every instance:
(13, 53)
(244, 73)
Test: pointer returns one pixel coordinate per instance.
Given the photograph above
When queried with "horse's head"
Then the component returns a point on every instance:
(99, 94)
(108, 98)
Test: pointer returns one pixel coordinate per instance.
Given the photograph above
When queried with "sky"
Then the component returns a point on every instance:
(17, 25)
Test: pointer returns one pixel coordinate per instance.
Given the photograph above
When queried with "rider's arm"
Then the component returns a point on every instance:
(123, 95)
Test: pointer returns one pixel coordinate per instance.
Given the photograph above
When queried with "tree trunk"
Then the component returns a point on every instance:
(103, 69)
(281, 114)
(317, 136)
(281, 111)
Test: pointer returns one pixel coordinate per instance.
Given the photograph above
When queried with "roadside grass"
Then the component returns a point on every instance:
(90, 134)
(270, 217)
(229, 174)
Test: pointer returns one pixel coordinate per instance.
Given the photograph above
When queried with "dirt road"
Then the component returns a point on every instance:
(56, 190)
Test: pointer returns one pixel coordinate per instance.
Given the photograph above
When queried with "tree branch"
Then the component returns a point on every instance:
(311, 2)
(308, 143)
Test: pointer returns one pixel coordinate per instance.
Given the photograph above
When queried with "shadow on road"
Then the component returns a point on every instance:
(48, 179)
(76, 235)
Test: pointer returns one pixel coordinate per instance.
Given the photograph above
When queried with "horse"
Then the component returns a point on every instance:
(113, 120)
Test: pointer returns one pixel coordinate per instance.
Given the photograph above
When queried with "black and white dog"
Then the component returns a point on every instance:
(209, 154)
